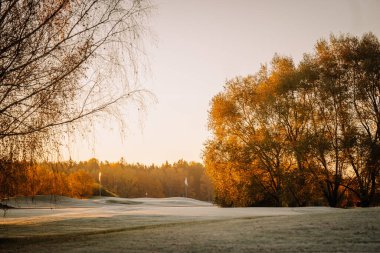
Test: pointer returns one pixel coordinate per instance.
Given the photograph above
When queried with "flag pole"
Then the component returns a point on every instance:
(186, 184)
(100, 184)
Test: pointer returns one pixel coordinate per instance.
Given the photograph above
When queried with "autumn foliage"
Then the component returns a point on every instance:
(80, 180)
(297, 135)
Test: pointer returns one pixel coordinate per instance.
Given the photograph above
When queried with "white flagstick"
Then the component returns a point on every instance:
(100, 183)
(186, 184)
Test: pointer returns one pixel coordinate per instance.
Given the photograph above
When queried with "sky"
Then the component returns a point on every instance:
(196, 46)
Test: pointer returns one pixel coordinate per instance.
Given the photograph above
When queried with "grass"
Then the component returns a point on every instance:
(133, 230)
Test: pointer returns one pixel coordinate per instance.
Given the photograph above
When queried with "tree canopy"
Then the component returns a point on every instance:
(300, 135)
(62, 62)
(63, 65)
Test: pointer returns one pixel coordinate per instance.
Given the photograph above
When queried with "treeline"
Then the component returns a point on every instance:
(301, 135)
(167, 180)
(81, 179)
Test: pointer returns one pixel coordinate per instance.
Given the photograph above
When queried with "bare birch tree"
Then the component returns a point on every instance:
(64, 62)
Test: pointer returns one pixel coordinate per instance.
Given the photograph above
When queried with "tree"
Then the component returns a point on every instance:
(329, 121)
(49, 49)
(63, 63)
(81, 184)
(250, 135)
(359, 76)
(301, 131)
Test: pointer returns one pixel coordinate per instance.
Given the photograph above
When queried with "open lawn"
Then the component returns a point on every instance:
(182, 225)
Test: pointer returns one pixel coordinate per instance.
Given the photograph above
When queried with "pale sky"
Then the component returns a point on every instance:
(202, 43)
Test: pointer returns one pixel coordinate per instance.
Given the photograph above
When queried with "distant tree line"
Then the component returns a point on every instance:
(300, 135)
(167, 180)
(81, 180)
